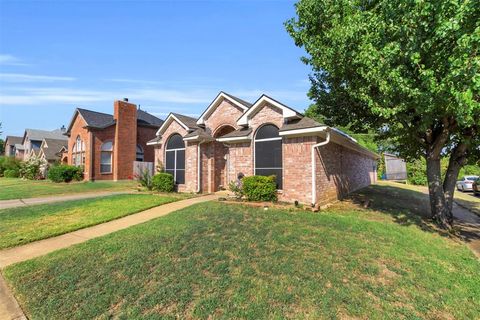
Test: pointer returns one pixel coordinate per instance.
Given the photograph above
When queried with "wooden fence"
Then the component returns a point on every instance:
(139, 167)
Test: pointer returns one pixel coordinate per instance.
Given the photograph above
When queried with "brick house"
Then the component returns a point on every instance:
(107, 145)
(33, 139)
(313, 163)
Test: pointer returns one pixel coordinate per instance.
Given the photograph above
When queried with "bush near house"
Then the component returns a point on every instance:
(65, 173)
(9, 163)
(163, 182)
(32, 168)
(11, 173)
(260, 188)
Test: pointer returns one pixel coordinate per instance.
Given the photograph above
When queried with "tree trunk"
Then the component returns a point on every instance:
(440, 210)
(457, 160)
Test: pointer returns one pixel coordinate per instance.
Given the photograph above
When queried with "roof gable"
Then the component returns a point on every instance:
(242, 104)
(287, 112)
(188, 123)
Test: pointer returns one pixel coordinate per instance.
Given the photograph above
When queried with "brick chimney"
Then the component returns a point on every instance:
(125, 144)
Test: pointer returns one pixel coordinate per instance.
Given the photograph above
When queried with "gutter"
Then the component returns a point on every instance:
(314, 167)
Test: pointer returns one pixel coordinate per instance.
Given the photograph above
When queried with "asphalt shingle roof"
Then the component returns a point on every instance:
(302, 123)
(39, 135)
(53, 147)
(186, 120)
(12, 140)
(201, 133)
(101, 120)
(243, 132)
(241, 101)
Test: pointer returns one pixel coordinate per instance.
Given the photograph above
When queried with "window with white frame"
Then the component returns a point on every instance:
(268, 153)
(78, 152)
(175, 158)
(106, 157)
(140, 155)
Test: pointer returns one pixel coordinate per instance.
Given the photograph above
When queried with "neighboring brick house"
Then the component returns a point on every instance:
(107, 145)
(33, 138)
(313, 163)
(14, 147)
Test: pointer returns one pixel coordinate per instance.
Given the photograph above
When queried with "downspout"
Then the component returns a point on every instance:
(314, 167)
(199, 166)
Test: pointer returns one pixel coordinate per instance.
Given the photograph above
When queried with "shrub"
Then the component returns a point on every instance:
(145, 179)
(11, 173)
(32, 168)
(236, 188)
(163, 182)
(65, 173)
(260, 188)
(9, 163)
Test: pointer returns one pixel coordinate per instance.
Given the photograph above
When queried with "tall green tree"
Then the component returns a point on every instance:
(408, 69)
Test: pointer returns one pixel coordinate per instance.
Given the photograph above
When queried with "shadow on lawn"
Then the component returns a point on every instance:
(408, 207)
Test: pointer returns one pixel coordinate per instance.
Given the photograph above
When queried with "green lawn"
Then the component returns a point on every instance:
(26, 224)
(12, 188)
(219, 261)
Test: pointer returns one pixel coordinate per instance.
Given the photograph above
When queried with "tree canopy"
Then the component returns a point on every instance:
(409, 70)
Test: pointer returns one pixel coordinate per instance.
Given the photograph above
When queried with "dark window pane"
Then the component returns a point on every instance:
(175, 142)
(180, 159)
(180, 177)
(267, 131)
(170, 160)
(105, 168)
(268, 154)
(270, 172)
(170, 171)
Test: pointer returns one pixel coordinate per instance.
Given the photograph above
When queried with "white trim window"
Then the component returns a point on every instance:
(268, 153)
(140, 156)
(78, 152)
(106, 155)
(175, 158)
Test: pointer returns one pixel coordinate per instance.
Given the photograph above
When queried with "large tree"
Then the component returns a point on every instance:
(408, 69)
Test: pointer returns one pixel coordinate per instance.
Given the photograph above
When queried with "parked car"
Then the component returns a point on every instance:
(476, 187)
(465, 184)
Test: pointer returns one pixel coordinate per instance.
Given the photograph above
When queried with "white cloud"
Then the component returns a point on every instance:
(9, 60)
(19, 77)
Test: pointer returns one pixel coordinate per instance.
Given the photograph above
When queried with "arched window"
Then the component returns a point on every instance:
(268, 153)
(139, 156)
(78, 152)
(106, 157)
(175, 158)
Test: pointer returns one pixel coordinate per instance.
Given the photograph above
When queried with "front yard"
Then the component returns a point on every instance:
(14, 188)
(26, 224)
(214, 260)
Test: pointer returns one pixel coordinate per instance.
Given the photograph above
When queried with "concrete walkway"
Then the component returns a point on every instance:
(42, 247)
(469, 225)
(4, 204)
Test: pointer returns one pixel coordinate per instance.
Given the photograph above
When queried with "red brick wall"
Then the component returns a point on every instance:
(78, 130)
(225, 114)
(99, 138)
(145, 134)
(124, 148)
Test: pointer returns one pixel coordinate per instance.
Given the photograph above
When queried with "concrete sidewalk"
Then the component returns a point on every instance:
(4, 204)
(42, 247)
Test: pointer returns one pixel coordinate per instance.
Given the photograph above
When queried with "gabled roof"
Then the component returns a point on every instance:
(39, 135)
(188, 123)
(288, 112)
(242, 104)
(100, 120)
(12, 140)
(51, 148)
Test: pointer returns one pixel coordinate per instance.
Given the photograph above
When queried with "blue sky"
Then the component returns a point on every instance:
(166, 56)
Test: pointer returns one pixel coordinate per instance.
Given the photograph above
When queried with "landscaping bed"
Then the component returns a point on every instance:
(217, 260)
(26, 224)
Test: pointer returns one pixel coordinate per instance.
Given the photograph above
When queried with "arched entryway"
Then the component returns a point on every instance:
(220, 156)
